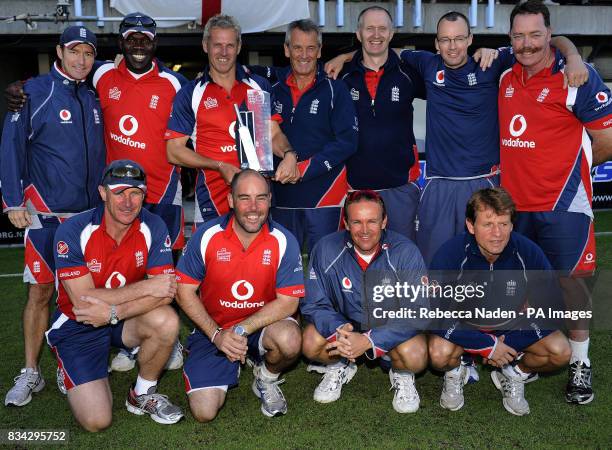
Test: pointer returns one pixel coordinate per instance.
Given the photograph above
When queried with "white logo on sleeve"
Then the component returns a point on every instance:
(242, 285)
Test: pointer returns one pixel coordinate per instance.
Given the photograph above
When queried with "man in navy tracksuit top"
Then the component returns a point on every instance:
(52, 156)
(514, 273)
(336, 310)
(383, 88)
(319, 121)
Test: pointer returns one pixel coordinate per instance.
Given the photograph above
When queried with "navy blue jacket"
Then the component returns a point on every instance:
(386, 154)
(322, 129)
(335, 287)
(52, 151)
(521, 275)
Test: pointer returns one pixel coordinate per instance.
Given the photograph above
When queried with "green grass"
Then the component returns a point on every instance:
(362, 418)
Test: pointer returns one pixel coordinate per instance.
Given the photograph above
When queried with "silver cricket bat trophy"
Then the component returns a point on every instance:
(254, 137)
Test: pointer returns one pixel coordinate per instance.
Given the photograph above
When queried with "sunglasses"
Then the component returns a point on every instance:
(137, 21)
(130, 172)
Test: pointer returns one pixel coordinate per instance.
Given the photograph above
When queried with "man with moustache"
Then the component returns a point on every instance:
(206, 106)
(248, 270)
(57, 137)
(550, 137)
(319, 121)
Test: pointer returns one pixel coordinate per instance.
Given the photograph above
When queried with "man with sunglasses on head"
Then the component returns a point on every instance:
(116, 282)
(136, 98)
(204, 110)
(336, 306)
(462, 145)
(52, 154)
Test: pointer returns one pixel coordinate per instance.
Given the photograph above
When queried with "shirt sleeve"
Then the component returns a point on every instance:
(593, 105)
(317, 307)
(191, 267)
(182, 118)
(69, 258)
(13, 156)
(160, 253)
(417, 62)
(290, 275)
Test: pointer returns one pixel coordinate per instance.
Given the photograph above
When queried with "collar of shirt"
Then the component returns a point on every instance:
(372, 78)
(296, 93)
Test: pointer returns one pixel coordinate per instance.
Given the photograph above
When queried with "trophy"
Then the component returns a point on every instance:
(253, 138)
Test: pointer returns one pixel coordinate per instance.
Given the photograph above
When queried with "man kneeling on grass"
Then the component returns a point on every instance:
(336, 309)
(514, 274)
(103, 258)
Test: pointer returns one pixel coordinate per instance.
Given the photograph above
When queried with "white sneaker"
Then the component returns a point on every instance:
(318, 368)
(451, 397)
(27, 382)
(330, 387)
(406, 398)
(175, 361)
(124, 361)
(61, 383)
(513, 391)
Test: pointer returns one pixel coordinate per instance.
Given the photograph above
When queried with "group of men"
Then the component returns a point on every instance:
(240, 278)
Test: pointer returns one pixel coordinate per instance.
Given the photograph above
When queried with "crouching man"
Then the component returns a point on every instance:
(335, 308)
(248, 270)
(114, 264)
(516, 274)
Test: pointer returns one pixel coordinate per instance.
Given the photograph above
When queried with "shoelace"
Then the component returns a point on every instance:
(455, 383)
(271, 391)
(399, 383)
(512, 387)
(332, 379)
(580, 377)
(26, 379)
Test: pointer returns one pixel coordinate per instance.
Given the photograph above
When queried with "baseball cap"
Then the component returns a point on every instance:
(138, 23)
(122, 174)
(75, 35)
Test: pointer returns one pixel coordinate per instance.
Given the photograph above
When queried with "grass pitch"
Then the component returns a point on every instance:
(362, 418)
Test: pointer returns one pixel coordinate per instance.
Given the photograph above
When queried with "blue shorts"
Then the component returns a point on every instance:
(172, 215)
(519, 340)
(309, 225)
(82, 350)
(567, 239)
(39, 265)
(207, 367)
(441, 212)
(401, 204)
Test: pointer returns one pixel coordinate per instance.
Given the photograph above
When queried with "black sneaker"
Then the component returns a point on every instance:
(579, 387)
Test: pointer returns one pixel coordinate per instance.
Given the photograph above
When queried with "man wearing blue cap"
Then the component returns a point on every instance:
(116, 280)
(52, 154)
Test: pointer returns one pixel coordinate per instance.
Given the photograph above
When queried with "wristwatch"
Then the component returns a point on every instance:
(113, 320)
(240, 331)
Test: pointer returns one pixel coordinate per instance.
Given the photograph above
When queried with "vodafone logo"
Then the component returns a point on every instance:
(243, 286)
(346, 283)
(116, 280)
(601, 97)
(522, 123)
(62, 248)
(232, 129)
(589, 257)
(132, 125)
(65, 115)
(167, 242)
(440, 76)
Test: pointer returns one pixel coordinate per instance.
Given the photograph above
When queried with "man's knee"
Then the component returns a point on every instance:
(559, 350)
(285, 336)
(441, 352)
(205, 404)
(412, 353)
(161, 323)
(96, 423)
(312, 342)
(40, 294)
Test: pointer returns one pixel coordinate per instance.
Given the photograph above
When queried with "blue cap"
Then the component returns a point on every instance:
(123, 174)
(75, 35)
(138, 23)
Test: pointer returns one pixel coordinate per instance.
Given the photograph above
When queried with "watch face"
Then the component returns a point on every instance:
(239, 330)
